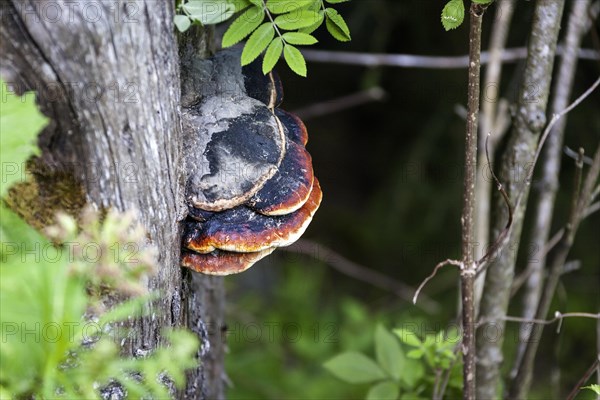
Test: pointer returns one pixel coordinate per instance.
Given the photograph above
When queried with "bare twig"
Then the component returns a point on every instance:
(558, 317)
(354, 270)
(469, 266)
(569, 152)
(417, 61)
(494, 115)
(433, 274)
(341, 103)
(583, 380)
(547, 190)
(528, 124)
(499, 242)
(580, 203)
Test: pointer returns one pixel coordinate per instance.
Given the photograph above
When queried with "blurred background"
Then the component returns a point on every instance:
(391, 172)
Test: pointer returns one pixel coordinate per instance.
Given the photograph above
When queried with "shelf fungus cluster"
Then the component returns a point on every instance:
(251, 186)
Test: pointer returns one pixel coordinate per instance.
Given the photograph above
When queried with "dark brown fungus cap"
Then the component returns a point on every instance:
(242, 154)
(289, 188)
(265, 88)
(222, 262)
(243, 230)
(293, 127)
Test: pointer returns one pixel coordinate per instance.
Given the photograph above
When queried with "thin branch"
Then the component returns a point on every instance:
(583, 380)
(499, 242)
(522, 378)
(356, 271)
(527, 128)
(548, 188)
(469, 266)
(417, 61)
(558, 317)
(557, 117)
(569, 152)
(494, 125)
(340, 103)
(433, 274)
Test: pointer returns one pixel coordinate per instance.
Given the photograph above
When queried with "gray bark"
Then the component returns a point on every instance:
(548, 186)
(515, 172)
(107, 74)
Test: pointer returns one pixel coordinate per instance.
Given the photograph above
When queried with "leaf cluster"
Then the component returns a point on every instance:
(396, 373)
(275, 27)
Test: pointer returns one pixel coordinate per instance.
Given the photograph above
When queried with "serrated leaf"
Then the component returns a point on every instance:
(336, 25)
(209, 12)
(388, 352)
(257, 43)
(453, 14)
(295, 59)
(354, 367)
(272, 55)
(386, 390)
(317, 24)
(407, 336)
(20, 123)
(239, 5)
(297, 19)
(299, 38)
(182, 22)
(285, 6)
(243, 25)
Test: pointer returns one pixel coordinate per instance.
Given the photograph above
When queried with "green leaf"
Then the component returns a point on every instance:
(239, 5)
(483, 1)
(415, 354)
(297, 19)
(594, 388)
(388, 352)
(182, 22)
(258, 42)
(313, 27)
(299, 38)
(285, 6)
(20, 123)
(336, 25)
(354, 367)
(294, 59)
(413, 373)
(257, 3)
(407, 336)
(209, 12)
(336, 1)
(272, 55)
(244, 25)
(386, 390)
(453, 14)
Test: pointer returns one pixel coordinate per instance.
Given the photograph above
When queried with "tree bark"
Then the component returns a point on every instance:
(107, 74)
(515, 173)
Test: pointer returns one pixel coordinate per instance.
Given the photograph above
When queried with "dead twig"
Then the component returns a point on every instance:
(417, 61)
(354, 270)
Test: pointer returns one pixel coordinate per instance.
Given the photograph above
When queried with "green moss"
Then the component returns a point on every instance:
(43, 192)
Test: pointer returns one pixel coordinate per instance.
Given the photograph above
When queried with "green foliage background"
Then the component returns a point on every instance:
(391, 173)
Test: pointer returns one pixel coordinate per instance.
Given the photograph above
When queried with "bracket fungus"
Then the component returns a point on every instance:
(251, 186)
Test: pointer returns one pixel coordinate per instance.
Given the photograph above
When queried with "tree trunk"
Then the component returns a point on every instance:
(108, 76)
